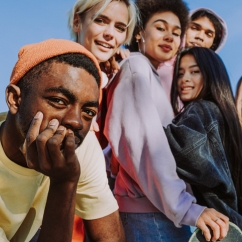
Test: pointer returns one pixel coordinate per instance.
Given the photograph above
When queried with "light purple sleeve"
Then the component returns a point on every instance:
(135, 132)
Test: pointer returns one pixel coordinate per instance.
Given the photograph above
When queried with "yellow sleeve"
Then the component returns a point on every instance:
(3, 236)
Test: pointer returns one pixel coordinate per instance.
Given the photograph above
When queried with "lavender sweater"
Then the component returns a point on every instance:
(137, 111)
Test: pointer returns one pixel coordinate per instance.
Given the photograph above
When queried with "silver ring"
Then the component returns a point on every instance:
(216, 220)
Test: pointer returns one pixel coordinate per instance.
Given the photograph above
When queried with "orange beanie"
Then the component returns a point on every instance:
(31, 55)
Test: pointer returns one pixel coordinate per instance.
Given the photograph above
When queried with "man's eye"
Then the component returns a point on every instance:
(194, 27)
(90, 112)
(209, 34)
(57, 100)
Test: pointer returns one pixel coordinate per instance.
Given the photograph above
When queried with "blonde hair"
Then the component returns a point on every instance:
(82, 6)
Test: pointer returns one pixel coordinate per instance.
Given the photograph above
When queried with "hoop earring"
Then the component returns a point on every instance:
(143, 47)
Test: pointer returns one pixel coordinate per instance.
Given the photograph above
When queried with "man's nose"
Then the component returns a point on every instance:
(200, 35)
(72, 119)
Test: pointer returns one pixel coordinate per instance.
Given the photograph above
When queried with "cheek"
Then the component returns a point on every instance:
(189, 34)
(208, 43)
(87, 35)
(120, 38)
(178, 84)
(177, 43)
(199, 86)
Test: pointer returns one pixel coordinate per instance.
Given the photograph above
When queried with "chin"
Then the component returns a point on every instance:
(103, 56)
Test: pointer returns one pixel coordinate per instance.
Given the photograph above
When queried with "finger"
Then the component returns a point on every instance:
(225, 219)
(33, 131)
(127, 53)
(205, 231)
(114, 65)
(108, 66)
(223, 228)
(22, 148)
(41, 140)
(124, 53)
(55, 145)
(29, 144)
(216, 230)
(69, 145)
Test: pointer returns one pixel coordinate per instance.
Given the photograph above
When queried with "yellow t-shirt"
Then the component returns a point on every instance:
(23, 192)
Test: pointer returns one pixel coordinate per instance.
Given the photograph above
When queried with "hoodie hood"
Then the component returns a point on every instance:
(224, 26)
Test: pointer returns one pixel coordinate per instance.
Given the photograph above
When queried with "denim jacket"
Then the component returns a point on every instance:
(195, 137)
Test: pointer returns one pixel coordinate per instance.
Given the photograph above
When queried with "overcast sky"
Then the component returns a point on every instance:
(30, 21)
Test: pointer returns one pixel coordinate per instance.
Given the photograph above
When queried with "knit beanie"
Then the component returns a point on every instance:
(31, 55)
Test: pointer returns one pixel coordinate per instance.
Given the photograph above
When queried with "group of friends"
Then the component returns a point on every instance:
(140, 144)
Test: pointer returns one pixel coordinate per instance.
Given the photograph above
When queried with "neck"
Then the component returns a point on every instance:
(11, 140)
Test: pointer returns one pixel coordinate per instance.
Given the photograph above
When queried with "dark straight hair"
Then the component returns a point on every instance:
(217, 88)
(238, 89)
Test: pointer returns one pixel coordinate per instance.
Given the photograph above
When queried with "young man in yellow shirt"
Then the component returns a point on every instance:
(51, 165)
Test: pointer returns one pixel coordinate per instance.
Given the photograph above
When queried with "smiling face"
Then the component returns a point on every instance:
(160, 39)
(104, 34)
(190, 79)
(201, 33)
(66, 93)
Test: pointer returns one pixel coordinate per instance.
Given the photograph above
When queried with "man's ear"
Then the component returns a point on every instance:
(76, 23)
(13, 98)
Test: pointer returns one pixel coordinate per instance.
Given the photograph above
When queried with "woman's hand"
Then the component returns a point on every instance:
(111, 66)
(218, 222)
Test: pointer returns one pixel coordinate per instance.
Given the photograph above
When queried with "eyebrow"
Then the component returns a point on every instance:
(103, 16)
(71, 96)
(63, 91)
(94, 104)
(189, 67)
(165, 22)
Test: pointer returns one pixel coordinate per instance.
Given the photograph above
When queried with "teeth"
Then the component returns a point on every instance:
(187, 88)
(104, 45)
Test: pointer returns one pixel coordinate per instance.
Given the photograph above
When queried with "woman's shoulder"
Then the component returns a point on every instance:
(203, 105)
(204, 108)
(137, 63)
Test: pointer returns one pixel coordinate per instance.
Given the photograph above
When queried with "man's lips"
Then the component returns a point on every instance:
(195, 44)
(165, 48)
(78, 141)
(104, 44)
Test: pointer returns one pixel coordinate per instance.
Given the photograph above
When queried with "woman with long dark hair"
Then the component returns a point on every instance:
(205, 137)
